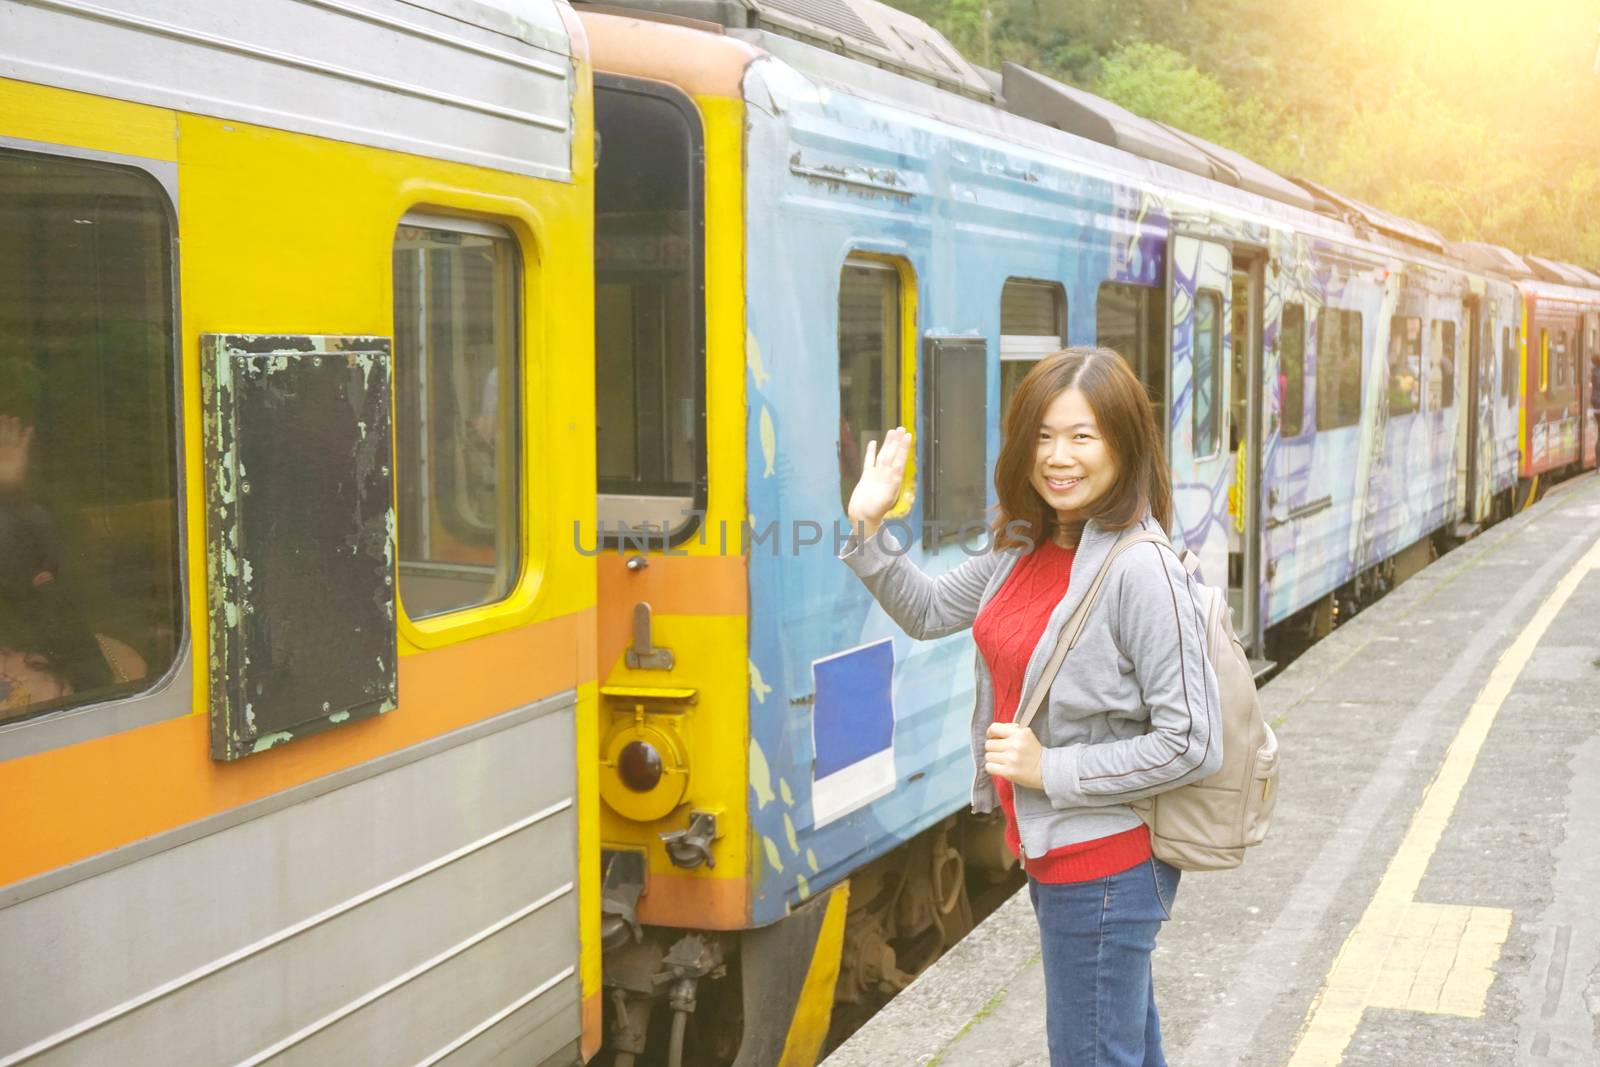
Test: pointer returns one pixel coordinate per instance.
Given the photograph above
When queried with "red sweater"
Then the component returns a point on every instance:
(1007, 630)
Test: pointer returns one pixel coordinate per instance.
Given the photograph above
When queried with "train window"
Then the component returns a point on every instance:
(1340, 362)
(90, 600)
(1131, 320)
(1560, 361)
(954, 383)
(1544, 360)
(1292, 369)
(649, 308)
(456, 419)
(1208, 357)
(1441, 364)
(1033, 324)
(1405, 364)
(1508, 364)
(869, 362)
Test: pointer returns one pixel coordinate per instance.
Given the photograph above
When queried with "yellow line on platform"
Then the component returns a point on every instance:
(1407, 954)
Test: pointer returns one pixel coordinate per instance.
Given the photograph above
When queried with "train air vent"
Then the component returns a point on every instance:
(1045, 100)
(1245, 173)
(836, 15)
(863, 30)
(873, 33)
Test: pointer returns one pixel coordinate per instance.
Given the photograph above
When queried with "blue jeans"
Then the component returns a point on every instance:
(1100, 1007)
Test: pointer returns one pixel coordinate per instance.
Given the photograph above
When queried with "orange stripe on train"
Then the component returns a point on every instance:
(155, 778)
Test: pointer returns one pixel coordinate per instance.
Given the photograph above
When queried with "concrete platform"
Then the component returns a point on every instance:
(1430, 892)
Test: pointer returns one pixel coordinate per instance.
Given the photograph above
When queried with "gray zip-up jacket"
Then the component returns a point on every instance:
(1134, 710)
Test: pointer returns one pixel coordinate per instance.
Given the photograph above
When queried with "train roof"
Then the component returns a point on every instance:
(1364, 214)
(1491, 257)
(823, 37)
(1063, 107)
(533, 22)
(1045, 100)
(1591, 278)
(884, 37)
(1246, 173)
(865, 30)
(1562, 273)
(482, 82)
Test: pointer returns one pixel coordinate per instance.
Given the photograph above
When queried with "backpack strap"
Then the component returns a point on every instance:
(1073, 628)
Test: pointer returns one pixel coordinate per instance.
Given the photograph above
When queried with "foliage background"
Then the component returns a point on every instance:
(1480, 118)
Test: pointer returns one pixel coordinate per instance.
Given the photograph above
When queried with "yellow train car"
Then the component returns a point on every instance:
(782, 814)
(698, 965)
(297, 675)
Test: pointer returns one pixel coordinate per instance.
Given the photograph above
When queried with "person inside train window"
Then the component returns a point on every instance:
(90, 593)
(1405, 363)
(48, 650)
(1081, 463)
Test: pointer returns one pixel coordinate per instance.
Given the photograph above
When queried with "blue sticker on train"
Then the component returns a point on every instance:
(853, 717)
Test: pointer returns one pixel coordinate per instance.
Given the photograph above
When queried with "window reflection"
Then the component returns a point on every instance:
(456, 416)
(90, 602)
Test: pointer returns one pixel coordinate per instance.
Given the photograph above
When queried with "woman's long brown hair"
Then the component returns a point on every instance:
(1127, 427)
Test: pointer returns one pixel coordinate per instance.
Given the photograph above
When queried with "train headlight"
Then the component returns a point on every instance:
(644, 768)
(639, 766)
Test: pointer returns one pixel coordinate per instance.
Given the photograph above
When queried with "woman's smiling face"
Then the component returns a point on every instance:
(1072, 467)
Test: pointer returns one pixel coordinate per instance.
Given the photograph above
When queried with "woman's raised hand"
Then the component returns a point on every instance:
(882, 472)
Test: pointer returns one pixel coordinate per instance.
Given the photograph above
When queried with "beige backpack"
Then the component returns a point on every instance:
(1205, 825)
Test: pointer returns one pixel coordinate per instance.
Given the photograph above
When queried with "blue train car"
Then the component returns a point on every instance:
(1314, 375)
(1335, 386)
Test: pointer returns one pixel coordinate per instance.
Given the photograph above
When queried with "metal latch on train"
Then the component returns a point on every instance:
(691, 846)
(643, 655)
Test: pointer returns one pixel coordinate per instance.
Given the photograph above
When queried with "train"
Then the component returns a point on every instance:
(422, 638)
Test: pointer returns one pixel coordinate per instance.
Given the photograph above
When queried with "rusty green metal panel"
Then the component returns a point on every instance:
(300, 536)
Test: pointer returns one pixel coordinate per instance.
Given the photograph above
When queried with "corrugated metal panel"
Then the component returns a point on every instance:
(836, 15)
(398, 919)
(532, 21)
(376, 72)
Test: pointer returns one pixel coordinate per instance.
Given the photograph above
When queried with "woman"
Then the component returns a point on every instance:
(1133, 712)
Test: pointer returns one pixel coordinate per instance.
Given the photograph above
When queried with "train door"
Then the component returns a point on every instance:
(1471, 414)
(1210, 496)
(1244, 446)
(1587, 343)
